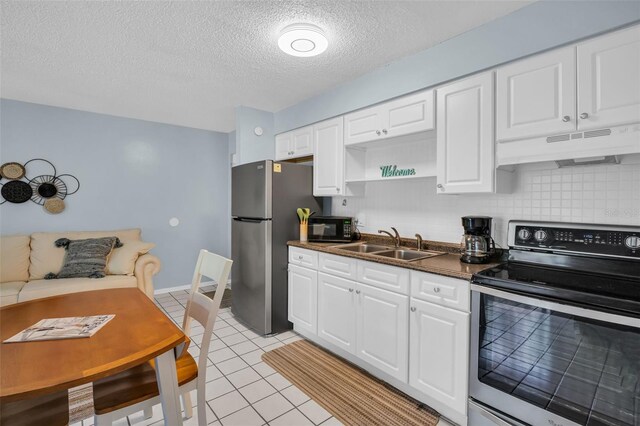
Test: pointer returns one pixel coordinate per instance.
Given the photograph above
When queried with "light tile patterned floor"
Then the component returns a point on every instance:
(241, 389)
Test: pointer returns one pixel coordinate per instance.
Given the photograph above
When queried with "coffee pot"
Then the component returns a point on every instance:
(477, 244)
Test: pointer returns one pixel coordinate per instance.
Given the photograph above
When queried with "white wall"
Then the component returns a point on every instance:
(592, 194)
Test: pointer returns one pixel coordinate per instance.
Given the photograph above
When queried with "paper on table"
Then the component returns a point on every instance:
(62, 328)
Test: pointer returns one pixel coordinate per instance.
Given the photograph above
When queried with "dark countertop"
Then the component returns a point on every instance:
(447, 264)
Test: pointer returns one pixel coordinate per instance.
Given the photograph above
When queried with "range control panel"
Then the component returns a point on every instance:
(608, 240)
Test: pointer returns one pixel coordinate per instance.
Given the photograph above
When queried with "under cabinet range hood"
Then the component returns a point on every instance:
(590, 161)
(598, 146)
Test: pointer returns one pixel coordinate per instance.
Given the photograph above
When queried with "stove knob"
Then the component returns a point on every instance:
(632, 242)
(524, 234)
(540, 235)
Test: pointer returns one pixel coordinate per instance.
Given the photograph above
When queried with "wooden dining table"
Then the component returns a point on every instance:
(139, 332)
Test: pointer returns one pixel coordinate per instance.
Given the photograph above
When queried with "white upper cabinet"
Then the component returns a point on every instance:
(465, 136)
(403, 116)
(536, 96)
(409, 114)
(328, 159)
(364, 125)
(283, 146)
(295, 144)
(609, 80)
(594, 85)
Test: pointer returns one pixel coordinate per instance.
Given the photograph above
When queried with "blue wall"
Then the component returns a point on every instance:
(540, 26)
(250, 147)
(133, 174)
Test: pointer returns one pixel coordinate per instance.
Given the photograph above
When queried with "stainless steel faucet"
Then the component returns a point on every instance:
(395, 238)
(419, 241)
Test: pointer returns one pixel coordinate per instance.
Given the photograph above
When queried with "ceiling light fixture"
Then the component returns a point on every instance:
(302, 40)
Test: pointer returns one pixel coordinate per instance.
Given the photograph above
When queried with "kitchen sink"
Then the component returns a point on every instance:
(408, 255)
(363, 248)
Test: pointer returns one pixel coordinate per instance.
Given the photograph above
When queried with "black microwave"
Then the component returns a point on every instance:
(337, 229)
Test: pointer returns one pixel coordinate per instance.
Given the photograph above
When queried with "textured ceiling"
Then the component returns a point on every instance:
(192, 63)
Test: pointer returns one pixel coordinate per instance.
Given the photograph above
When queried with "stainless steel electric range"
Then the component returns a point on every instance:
(555, 333)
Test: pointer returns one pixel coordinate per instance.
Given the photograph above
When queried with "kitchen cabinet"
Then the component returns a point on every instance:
(407, 327)
(576, 102)
(328, 160)
(465, 143)
(439, 351)
(536, 97)
(295, 144)
(403, 116)
(303, 298)
(383, 329)
(336, 313)
(609, 80)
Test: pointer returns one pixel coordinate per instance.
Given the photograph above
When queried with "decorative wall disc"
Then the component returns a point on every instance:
(48, 190)
(54, 205)
(47, 186)
(16, 191)
(12, 171)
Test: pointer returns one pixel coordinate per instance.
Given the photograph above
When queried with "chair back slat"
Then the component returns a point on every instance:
(203, 309)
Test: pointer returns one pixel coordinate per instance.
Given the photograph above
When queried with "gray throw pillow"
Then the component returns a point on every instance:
(85, 258)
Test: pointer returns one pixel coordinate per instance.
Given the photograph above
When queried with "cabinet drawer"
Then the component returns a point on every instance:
(445, 291)
(384, 276)
(303, 257)
(337, 265)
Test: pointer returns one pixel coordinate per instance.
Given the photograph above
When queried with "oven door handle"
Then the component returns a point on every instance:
(559, 307)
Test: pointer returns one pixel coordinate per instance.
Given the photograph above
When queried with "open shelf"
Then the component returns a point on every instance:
(416, 154)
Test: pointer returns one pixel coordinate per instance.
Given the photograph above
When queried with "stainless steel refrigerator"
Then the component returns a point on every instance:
(264, 199)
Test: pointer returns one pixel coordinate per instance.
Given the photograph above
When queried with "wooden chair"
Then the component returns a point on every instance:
(136, 389)
(51, 409)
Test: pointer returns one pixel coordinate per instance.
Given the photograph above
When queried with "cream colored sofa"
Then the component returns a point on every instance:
(26, 259)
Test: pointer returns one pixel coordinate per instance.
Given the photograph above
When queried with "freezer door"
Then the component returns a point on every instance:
(251, 190)
(251, 273)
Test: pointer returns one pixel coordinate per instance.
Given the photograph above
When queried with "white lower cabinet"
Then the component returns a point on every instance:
(383, 329)
(303, 298)
(409, 328)
(336, 313)
(439, 353)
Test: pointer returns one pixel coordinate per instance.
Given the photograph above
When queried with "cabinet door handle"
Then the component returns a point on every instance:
(378, 132)
(350, 290)
(384, 131)
(566, 118)
(436, 289)
(584, 115)
(300, 257)
(337, 189)
(413, 309)
(441, 187)
(357, 291)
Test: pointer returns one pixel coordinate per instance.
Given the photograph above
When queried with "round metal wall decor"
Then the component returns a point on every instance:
(48, 190)
(12, 171)
(47, 186)
(16, 191)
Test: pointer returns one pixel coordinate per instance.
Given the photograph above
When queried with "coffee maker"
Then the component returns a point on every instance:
(477, 244)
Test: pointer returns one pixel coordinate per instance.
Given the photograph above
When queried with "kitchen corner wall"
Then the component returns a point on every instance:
(608, 194)
(250, 147)
(134, 174)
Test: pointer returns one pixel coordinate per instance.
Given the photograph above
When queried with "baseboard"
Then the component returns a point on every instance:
(186, 287)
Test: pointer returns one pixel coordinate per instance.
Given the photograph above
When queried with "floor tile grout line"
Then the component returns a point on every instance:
(237, 389)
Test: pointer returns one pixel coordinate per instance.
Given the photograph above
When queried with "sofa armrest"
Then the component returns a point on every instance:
(146, 267)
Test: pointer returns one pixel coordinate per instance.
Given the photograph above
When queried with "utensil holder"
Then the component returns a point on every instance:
(303, 232)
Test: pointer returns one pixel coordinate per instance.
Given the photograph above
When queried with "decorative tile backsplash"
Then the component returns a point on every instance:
(607, 194)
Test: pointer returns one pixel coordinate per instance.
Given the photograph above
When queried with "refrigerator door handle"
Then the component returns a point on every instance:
(244, 219)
